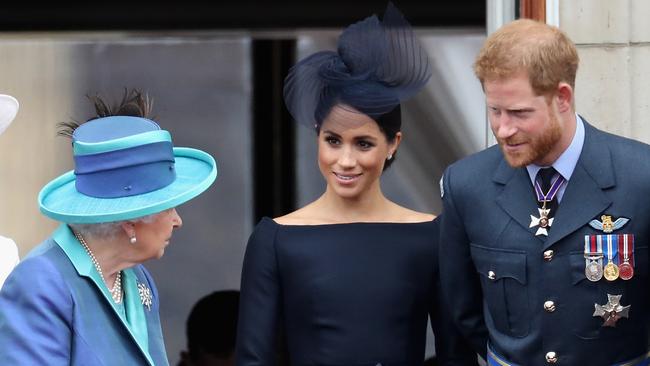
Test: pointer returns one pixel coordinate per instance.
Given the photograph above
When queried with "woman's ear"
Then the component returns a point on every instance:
(129, 228)
(392, 147)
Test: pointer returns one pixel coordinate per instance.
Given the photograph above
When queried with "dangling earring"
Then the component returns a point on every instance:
(133, 239)
(390, 156)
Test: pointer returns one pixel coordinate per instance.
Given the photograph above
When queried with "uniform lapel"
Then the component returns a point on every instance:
(517, 198)
(584, 198)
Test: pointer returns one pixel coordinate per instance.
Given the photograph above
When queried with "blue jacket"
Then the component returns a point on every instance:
(529, 294)
(53, 313)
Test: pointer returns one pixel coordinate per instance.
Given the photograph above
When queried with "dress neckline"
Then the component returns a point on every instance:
(359, 223)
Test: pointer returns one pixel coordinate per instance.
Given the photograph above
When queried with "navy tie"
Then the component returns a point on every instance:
(544, 178)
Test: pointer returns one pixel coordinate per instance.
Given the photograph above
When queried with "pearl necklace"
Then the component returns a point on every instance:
(116, 291)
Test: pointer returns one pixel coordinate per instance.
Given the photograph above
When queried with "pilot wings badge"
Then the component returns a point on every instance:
(607, 226)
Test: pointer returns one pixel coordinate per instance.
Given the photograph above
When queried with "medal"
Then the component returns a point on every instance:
(619, 249)
(626, 270)
(594, 270)
(610, 272)
(543, 221)
(612, 311)
(593, 257)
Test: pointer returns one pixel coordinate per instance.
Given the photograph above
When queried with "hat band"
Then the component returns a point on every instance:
(126, 172)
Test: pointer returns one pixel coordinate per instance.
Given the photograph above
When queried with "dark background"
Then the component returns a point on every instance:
(242, 14)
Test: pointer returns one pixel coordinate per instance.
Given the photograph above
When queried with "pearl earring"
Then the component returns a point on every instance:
(390, 156)
(133, 239)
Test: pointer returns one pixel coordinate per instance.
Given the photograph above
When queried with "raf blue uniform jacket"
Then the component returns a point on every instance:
(50, 314)
(497, 275)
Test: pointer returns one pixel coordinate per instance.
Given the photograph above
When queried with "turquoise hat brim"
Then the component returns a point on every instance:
(60, 200)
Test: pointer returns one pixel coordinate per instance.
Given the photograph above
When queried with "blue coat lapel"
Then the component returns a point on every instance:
(154, 329)
(584, 197)
(517, 198)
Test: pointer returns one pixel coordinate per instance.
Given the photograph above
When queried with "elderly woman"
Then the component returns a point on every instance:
(8, 250)
(82, 297)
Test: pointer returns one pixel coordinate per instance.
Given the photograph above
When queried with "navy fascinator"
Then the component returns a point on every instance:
(378, 64)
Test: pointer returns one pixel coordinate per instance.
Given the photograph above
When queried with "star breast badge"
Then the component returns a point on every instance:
(612, 311)
(145, 295)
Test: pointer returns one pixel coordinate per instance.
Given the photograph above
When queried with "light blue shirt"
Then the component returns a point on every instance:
(566, 163)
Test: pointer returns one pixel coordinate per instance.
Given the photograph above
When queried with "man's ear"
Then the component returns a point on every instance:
(564, 97)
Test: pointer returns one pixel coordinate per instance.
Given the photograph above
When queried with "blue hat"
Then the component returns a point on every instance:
(377, 65)
(125, 168)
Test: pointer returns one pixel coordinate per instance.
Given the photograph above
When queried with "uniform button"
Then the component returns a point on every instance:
(549, 306)
(551, 357)
(548, 255)
(492, 275)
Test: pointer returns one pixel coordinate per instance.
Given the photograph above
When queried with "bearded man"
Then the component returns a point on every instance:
(544, 238)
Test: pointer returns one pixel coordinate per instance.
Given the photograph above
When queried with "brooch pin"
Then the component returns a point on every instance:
(612, 311)
(607, 226)
(145, 295)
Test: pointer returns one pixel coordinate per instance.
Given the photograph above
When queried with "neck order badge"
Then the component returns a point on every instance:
(552, 185)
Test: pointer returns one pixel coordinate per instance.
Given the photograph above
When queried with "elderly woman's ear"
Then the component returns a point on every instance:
(129, 230)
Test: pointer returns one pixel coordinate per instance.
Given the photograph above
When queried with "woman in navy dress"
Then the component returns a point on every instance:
(351, 277)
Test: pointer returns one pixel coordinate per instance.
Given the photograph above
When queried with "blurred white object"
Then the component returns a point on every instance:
(8, 258)
(8, 110)
(8, 250)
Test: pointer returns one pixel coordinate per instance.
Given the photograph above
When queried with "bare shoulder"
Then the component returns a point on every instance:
(407, 215)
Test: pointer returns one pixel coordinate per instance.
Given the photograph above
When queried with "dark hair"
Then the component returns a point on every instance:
(212, 325)
(389, 124)
(134, 103)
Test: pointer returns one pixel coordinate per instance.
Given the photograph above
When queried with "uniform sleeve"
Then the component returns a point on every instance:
(35, 316)
(452, 348)
(259, 300)
(461, 289)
